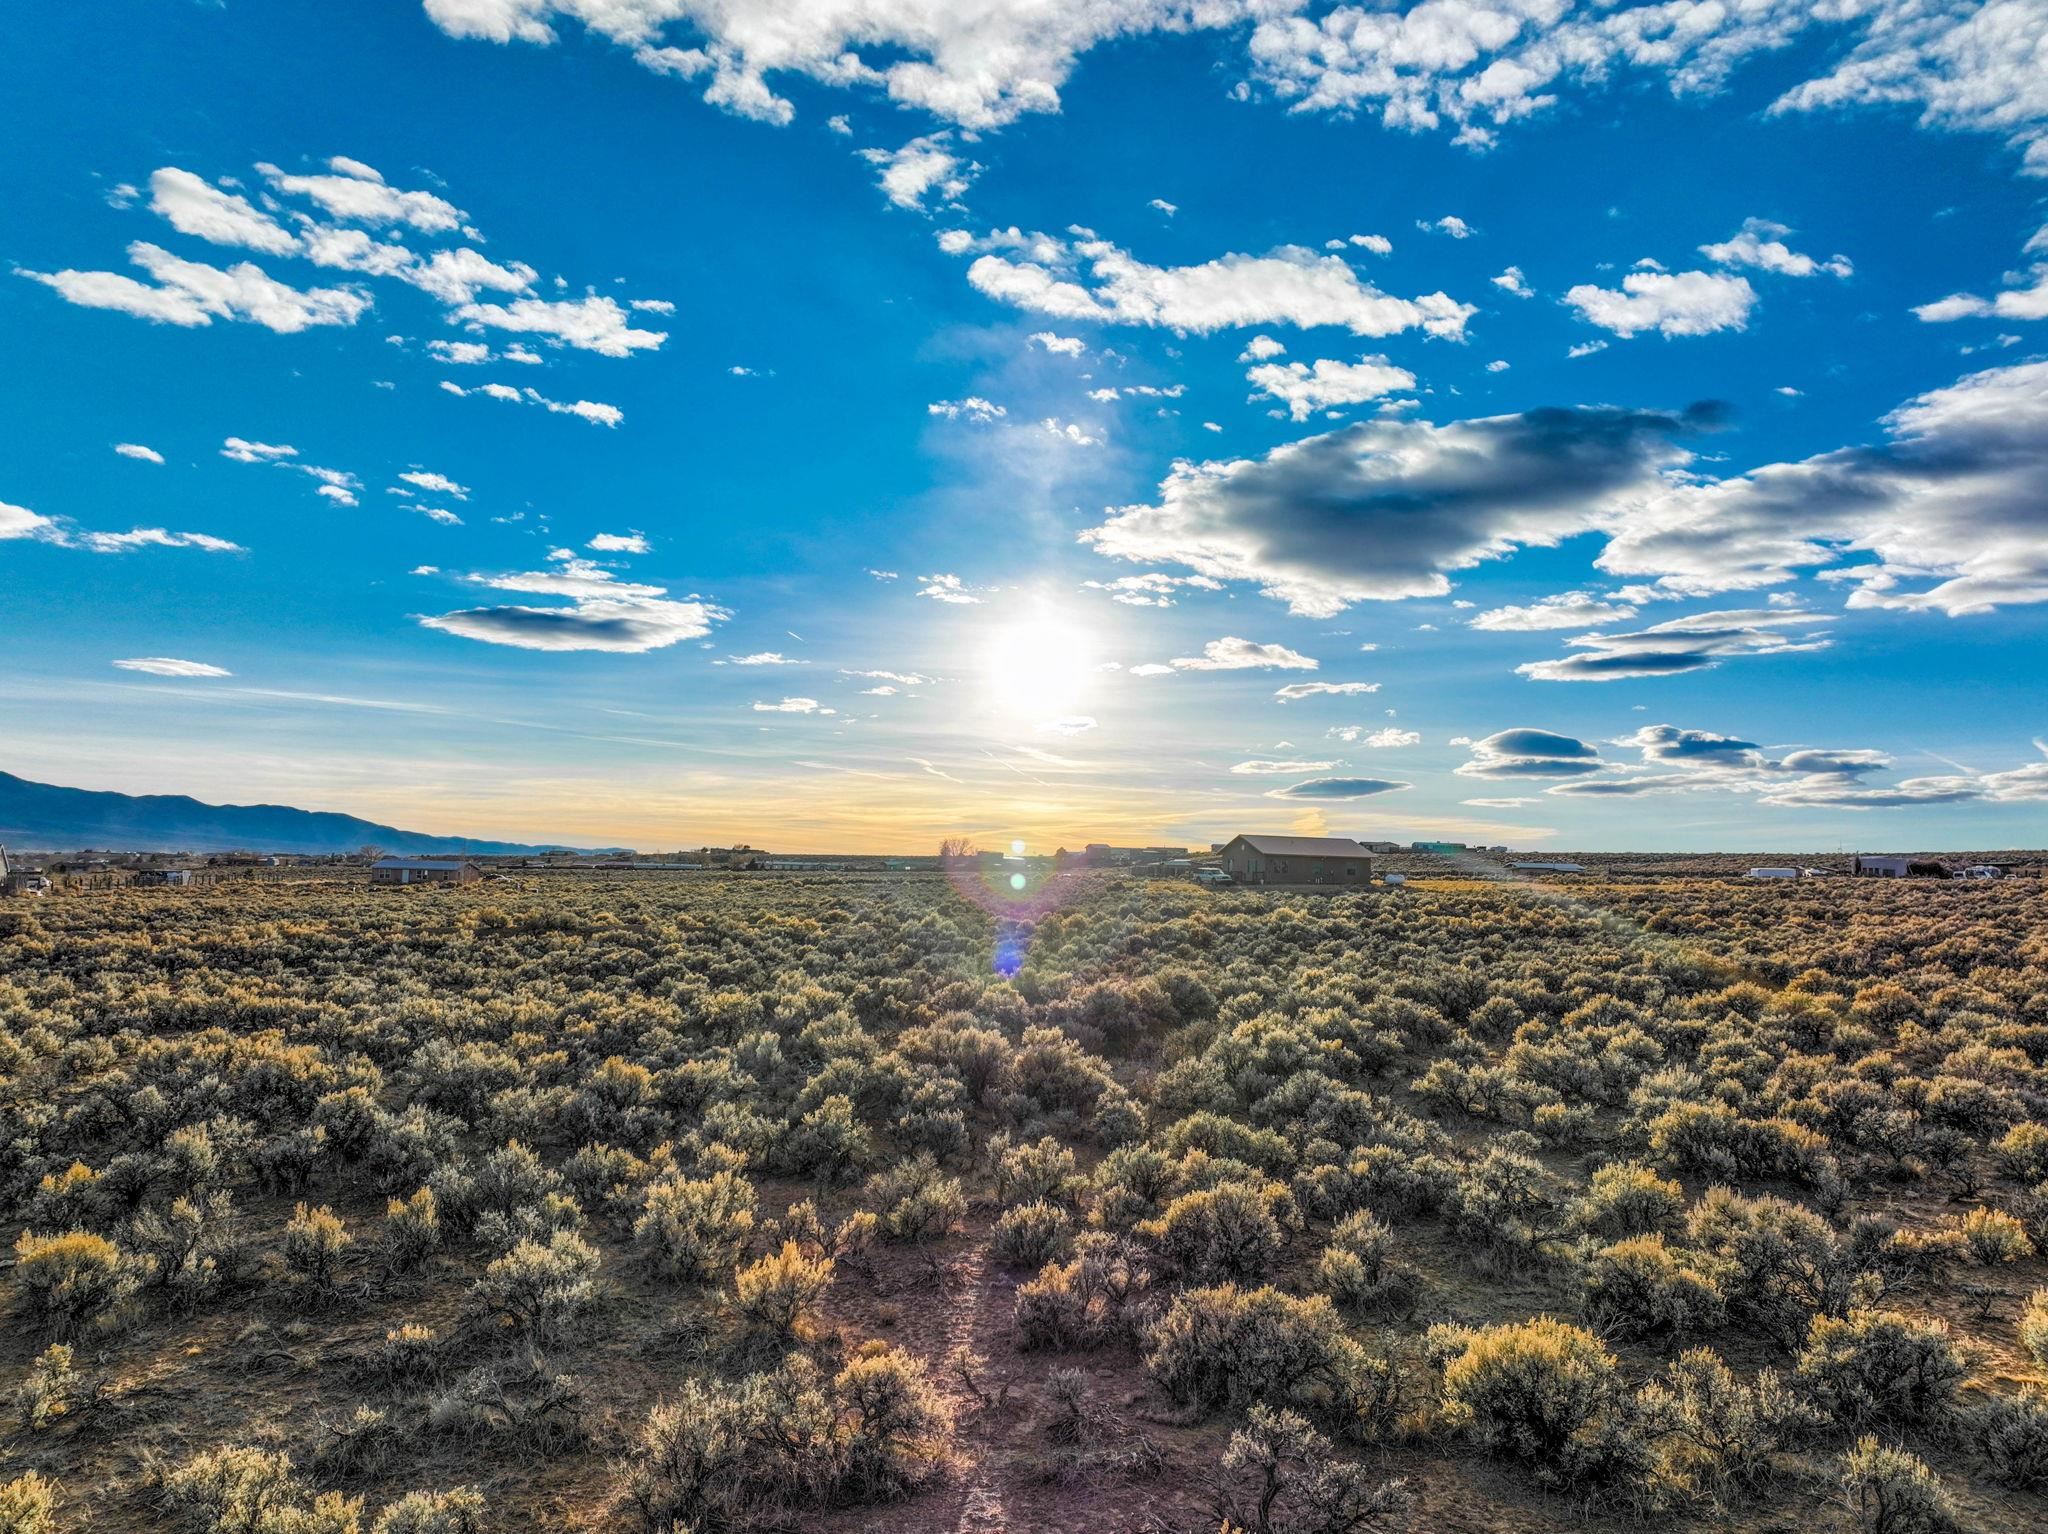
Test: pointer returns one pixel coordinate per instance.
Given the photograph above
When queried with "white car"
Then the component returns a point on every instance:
(1211, 876)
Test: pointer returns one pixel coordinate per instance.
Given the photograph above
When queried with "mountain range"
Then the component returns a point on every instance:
(47, 817)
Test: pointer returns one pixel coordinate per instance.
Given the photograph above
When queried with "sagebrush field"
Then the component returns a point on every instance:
(750, 1204)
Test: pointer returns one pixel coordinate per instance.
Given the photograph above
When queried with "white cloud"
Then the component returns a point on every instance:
(1449, 224)
(1305, 388)
(1338, 788)
(435, 484)
(1263, 767)
(2014, 303)
(1671, 303)
(593, 324)
(1586, 349)
(1760, 244)
(1392, 738)
(1947, 510)
(1155, 588)
(1069, 432)
(1294, 692)
(20, 522)
(1498, 365)
(619, 543)
(1512, 281)
(198, 208)
(360, 195)
(1524, 752)
(906, 678)
(602, 613)
(794, 706)
(1095, 280)
(593, 411)
(1567, 610)
(1064, 346)
(764, 658)
(244, 451)
(924, 168)
(1259, 348)
(978, 66)
(1378, 244)
(948, 588)
(164, 665)
(137, 450)
(1071, 724)
(1695, 643)
(1384, 509)
(1233, 654)
(1474, 69)
(973, 408)
(653, 306)
(460, 353)
(147, 538)
(192, 293)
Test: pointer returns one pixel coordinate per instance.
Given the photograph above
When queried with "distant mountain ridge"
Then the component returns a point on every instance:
(47, 818)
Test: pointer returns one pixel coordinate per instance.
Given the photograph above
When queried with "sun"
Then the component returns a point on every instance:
(1040, 671)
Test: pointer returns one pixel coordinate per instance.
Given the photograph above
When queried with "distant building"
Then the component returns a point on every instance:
(1548, 868)
(1437, 847)
(423, 871)
(20, 881)
(1296, 860)
(1898, 868)
(163, 878)
(1381, 846)
(1772, 873)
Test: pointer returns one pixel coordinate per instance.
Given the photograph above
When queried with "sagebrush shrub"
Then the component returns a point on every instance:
(778, 1292)
(1281, 1476)
(1544, 1393)
(1892, 1492)
(28, 1505)
(314, 1240)
(1879, 1366)
(1030, 1235)
(692, 1230)
(539, 1289)
(71, 1278)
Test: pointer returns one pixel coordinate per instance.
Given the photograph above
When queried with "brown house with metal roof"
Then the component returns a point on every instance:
(1296, 860)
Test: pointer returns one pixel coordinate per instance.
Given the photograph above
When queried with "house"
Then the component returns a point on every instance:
(20, 881)
(1898, 868)
(424, 871)
(1297, 860)
(1772, 873)
(1442, 849)
(163, 878)
(1381, 846)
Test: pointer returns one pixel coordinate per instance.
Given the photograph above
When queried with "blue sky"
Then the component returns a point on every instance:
(661, 421)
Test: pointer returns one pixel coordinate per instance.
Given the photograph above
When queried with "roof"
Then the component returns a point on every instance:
(422, 865)
(1304, 846)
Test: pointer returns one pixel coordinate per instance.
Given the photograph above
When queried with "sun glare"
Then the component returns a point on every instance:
(1039, 672)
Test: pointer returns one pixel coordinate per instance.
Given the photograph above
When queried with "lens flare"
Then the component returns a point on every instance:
(1017, 893)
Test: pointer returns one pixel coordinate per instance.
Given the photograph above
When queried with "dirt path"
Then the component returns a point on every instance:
(970, 1315)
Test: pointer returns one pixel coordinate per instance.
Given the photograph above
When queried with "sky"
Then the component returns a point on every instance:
(839, 424)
